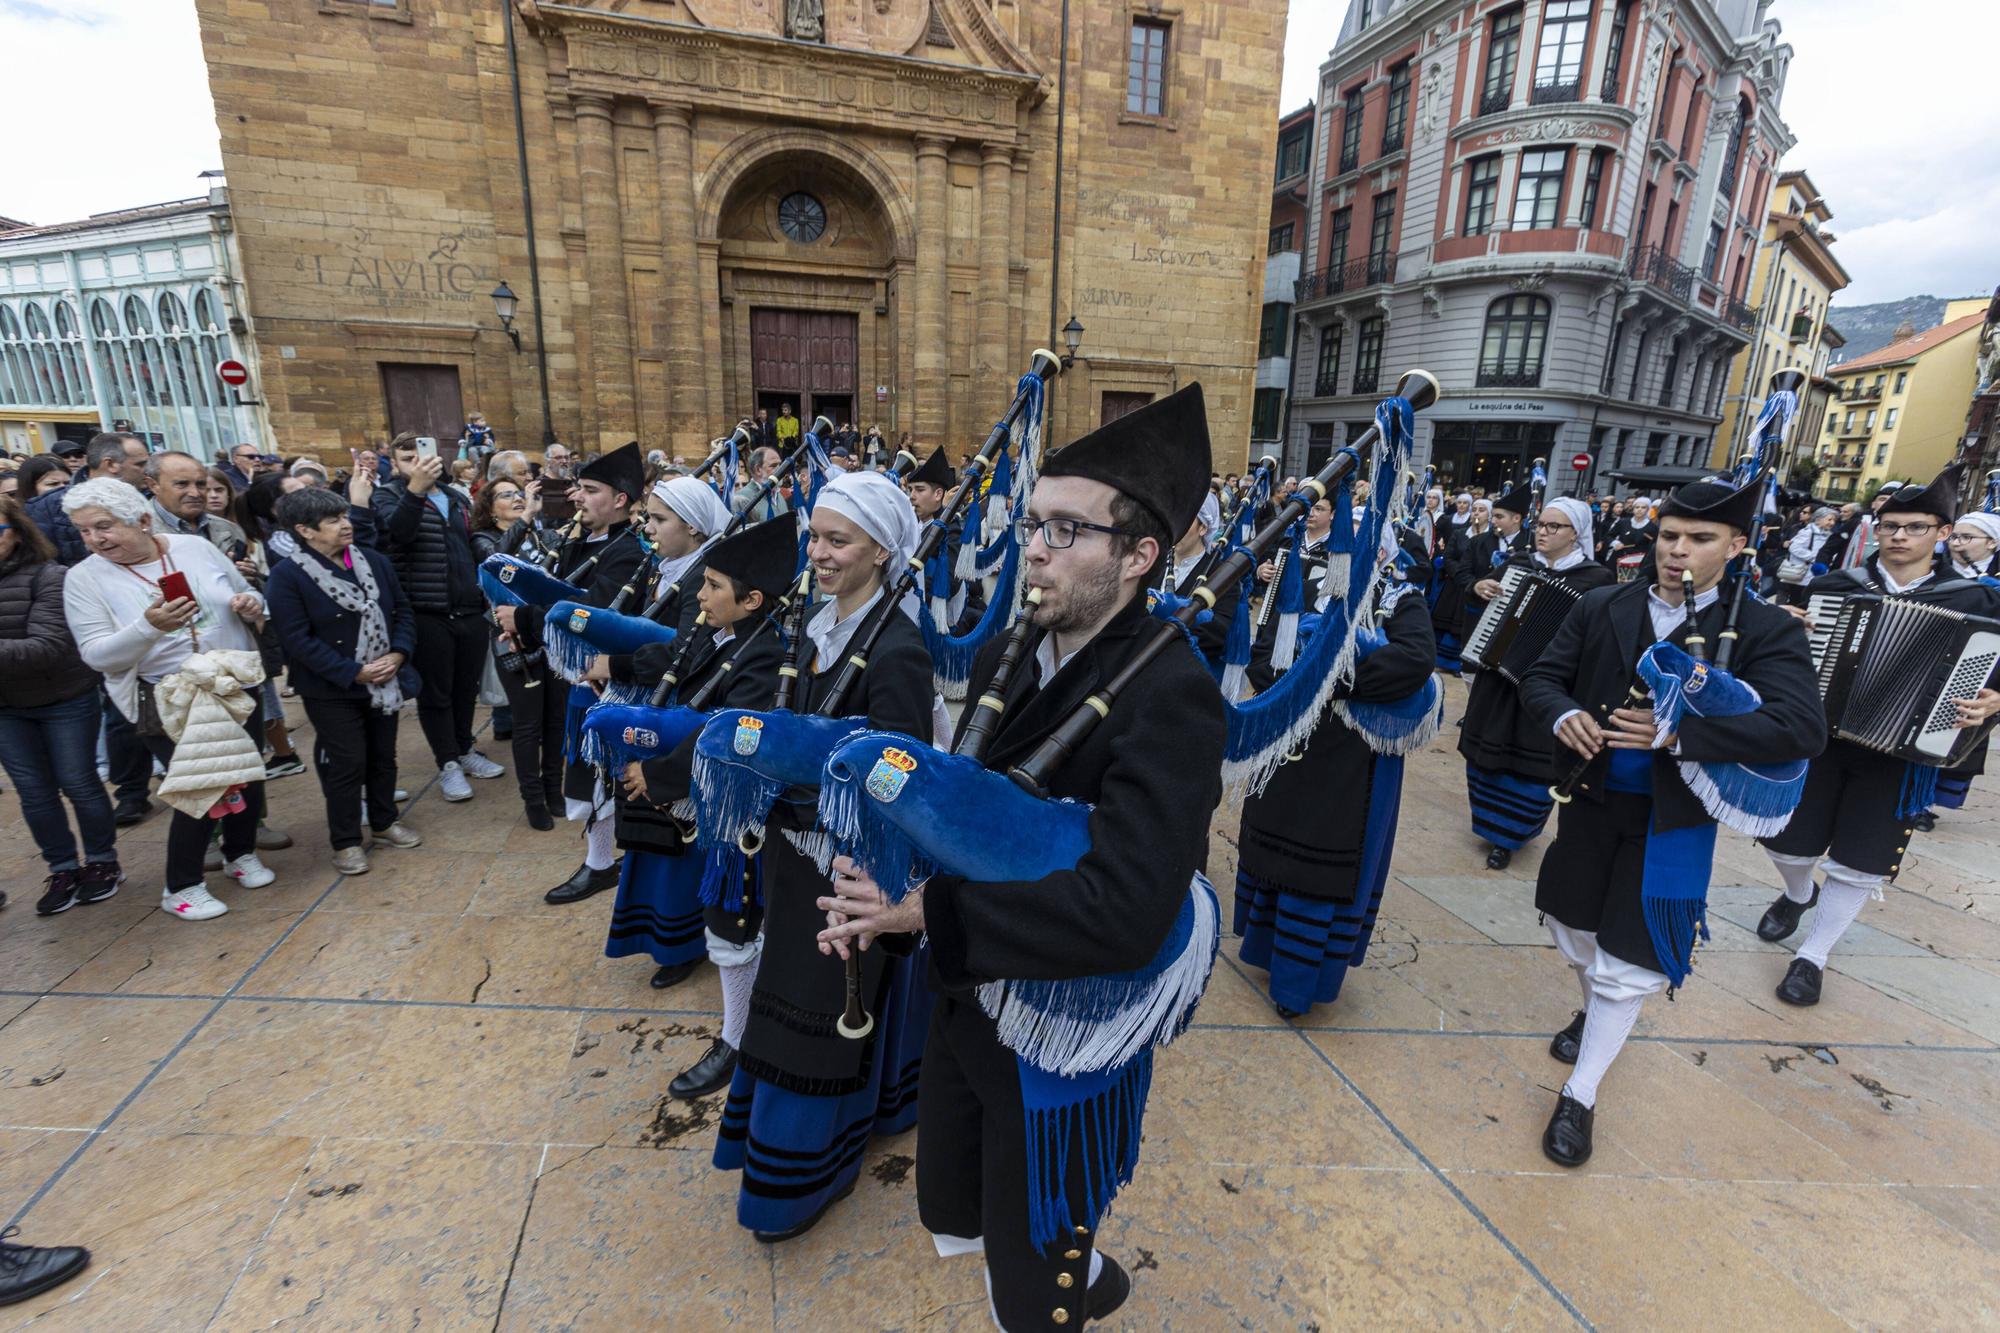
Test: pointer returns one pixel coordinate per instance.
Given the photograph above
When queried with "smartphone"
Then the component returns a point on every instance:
(174, 586)
(427, 447)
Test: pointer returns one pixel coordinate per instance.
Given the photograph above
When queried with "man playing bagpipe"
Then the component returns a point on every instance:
(961, 601)
(671, 895)
(1624, 884)
(1510, 759)
(605, 557)
(1183, 570)
(1013, 1160)
(1860, 805)
(1314, 846)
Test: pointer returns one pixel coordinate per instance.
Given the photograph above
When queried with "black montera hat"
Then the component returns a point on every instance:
(1717, 502)
(763, 556)
(1939, 499)
(1157, 455)
(623, 469)
(935, 471)
(1517, 501)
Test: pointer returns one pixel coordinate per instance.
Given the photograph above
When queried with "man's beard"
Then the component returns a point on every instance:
(1084, 601)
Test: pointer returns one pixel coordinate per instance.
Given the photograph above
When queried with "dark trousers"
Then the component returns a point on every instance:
(451, 656)
(539, 714)
(50, 752)
(355, 753)
(126, 755)
(187, 836)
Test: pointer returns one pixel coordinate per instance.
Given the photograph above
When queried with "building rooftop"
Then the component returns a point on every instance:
(1910, 348)
(17, 231)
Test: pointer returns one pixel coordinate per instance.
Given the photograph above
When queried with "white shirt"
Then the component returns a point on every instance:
(106, 606)
(1667, 617)
(1571, 560)
(1046, 661)
(829, 633)
(1889, 583)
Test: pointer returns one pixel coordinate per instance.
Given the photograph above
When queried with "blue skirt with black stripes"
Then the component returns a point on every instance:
(658, 910)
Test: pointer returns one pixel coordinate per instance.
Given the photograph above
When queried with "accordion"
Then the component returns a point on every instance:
(1891, 671)
(1520, 622)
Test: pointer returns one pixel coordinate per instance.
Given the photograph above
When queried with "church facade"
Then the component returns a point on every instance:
(872, 209)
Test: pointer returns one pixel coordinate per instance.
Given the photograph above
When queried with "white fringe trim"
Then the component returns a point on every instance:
(1725, 814)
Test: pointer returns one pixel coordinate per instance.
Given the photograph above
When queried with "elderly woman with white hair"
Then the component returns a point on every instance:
(1803, 551)
(1510, 761)
(805, 1100)
(141, 606)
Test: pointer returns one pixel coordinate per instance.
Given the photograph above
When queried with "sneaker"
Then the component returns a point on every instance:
(98, 881)
(272, 839)
(477, 765)
(399, 835)
(61, 895)
(194, 903)
(401, 796)
(248, 871)
(283, 766)
(350, 861)
(212, 859)
(451, 781)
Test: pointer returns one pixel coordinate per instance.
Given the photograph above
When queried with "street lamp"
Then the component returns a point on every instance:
(1072, 333)
(504, 305)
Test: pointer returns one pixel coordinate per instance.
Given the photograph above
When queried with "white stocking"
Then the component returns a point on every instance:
(1840, 902)
(600, 843)
(1607, 1024)
(737, 980)
(1797, 872)
(1579, 950)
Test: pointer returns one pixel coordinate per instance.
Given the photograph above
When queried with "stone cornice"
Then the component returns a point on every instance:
(616, 55)
(1602, 122)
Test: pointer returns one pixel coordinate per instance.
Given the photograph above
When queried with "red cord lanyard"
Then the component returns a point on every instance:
(167, 567)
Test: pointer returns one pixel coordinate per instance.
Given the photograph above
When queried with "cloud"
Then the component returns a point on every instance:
(33, 11)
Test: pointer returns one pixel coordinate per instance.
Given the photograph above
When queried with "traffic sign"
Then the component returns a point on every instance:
(1580, 462)
(233, 373)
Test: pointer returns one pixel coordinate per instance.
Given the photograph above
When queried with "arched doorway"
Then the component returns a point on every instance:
(809, 257)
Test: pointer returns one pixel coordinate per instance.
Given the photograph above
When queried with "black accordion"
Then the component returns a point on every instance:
(1891, 672)
(1518, 625)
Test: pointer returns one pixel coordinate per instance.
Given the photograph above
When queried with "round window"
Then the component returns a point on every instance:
(802, 217)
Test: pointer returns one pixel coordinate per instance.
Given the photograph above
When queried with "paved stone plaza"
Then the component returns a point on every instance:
(424, 1099)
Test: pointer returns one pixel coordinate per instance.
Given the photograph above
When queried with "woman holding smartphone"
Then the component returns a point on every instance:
(139, 607)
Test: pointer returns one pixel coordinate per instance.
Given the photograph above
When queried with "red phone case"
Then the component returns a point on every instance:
(174, 586)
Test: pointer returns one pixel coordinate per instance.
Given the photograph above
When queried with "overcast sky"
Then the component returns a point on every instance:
(1894, 119)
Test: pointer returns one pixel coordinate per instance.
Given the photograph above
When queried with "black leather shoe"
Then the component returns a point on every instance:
(1106, 1294)
(129, 813)
(1499, 858)
(539, 818)
(582, 884)
(1926, 822)
(709, 1074)
(773, 1237)
(30, 1270)
(1801, 984)
(672, 975)
(1565, 1044)
(1566, 1141)
(1781, 918)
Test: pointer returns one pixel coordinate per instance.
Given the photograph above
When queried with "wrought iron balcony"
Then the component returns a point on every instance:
(1392, 142)
(1655, 266)
(1327, 386)
(1365, 383)
(1498, 100)
(1546, 93)
(1350, 158)
(1609, 92)
(1347, 277)
(1739, 315)
(1801, 327)
(1510, 377)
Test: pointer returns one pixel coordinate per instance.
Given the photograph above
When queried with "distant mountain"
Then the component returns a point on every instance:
(1870, 328)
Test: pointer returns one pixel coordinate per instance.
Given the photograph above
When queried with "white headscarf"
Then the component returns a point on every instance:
(698, 507)
(879, 507)
(1211, 516)
(1578, 514)
(1980, 521)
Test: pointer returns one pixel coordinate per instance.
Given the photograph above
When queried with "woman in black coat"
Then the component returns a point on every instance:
(348, 634)
(506, 521)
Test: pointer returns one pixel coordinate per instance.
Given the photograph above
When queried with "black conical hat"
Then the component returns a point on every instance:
(1517, 501)
(1157, 455)
(1939, 499)
(763, 556)
(936, 471)
(623, 470)
(1714, 501)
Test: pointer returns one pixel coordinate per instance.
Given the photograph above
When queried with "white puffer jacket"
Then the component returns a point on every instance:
(202, 706)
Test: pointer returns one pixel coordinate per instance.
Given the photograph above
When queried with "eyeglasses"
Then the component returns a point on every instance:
(1058, 534)
(1913, 529)
(1547, 526)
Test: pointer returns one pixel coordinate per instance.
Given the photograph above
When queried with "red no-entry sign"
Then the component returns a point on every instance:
(233, 373)
(1580, 461)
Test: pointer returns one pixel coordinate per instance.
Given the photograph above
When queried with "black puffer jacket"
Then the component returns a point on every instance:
(39, 664)
(433, 556)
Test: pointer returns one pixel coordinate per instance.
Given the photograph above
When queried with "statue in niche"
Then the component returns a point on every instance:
(805, 20)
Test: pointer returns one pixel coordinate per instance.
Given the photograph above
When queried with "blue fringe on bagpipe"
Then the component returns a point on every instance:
(744, 760)
(573, 633)
(1673, 894)
(508, 580)
(724, 881)
(582, 699)
(1397, 728)
(1920, 784)
(951, 655)
(1754, 799)
(616, 734)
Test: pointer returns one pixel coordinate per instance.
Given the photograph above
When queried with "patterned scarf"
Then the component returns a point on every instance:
(361, 598)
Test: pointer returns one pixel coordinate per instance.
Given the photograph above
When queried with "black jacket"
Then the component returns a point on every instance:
(46, 513)
(433, 555)
(318, 637)
(39, 664)
(1152, 770)
(603, 565)
(1591, 665)
(1478, 563)
(1498, 735)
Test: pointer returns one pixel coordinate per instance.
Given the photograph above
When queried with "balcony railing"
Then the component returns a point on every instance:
(1392, 143)
(1739, 315)
(1801, 327)
(1510, 377)
(1350, 158)
(1546, 93)
(1609, 92)
(1364, 382)
(1326, 386)
(1499, 100)
(1653, 265)
(1858, 393)
(1355, 273)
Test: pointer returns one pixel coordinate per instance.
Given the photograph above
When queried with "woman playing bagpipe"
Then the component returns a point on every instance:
(804, 1101)
(602, 560)
(956, 604)
(1510, 759)
(1624, 885)
(1313, 847)
(1860, 804)
(1009, 1162)
(664, 907)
